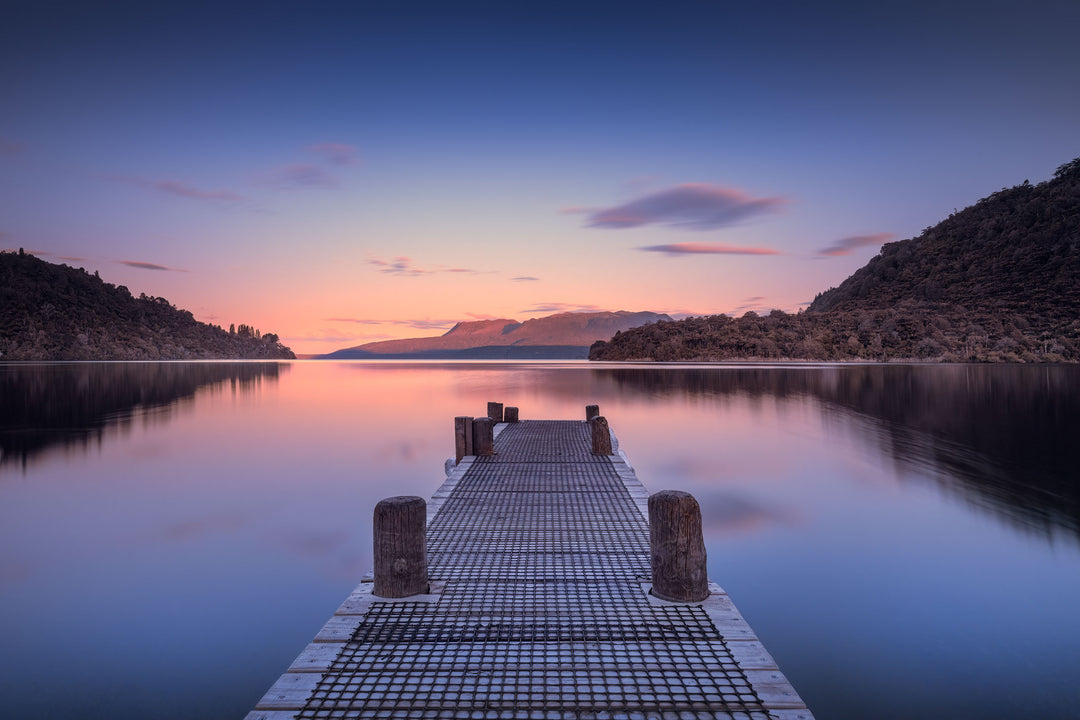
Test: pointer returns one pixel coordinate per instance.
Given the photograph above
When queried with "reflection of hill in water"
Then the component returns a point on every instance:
(1004, 438)
(51, 406)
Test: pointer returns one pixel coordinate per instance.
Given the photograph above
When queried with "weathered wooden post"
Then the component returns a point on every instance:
(510, 415)
(677, 548)
(463, 440)
(591, 411)
(400, 547)
(601, 436)
(483, 436)
(495, 412)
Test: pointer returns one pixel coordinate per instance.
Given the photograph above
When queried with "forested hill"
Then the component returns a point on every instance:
(1014, 251)
(996, 282)
(57, 312)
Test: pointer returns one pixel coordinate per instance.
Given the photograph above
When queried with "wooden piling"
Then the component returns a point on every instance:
(495, 412)
(463, 437)
(601, 436)
(483, 436)
(591, 411)
(677, 548)
(400, 547)
(510, 415)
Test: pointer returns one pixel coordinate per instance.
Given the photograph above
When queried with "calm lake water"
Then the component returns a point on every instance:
(905, 540)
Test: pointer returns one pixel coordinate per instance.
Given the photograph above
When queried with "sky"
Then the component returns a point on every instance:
(339, 173)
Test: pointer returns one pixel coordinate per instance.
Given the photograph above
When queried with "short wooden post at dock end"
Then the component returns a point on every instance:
(510, 415)
(591, 411)
(463, 438)
(483, 436)
(677, 547)
(400, 547)
(495, 412)
(601, 436)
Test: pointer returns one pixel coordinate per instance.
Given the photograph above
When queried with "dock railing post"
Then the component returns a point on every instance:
(463, 438)
(601, 436)
(495, 412)
(483, 436)
(677, 547)
(510, 415)
(591, 411)
(400, 547)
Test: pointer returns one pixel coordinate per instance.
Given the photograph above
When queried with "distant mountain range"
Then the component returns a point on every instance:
(560, 336)
(996, 282)
(57, 312)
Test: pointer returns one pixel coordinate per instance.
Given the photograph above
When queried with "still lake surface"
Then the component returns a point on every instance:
(904, 539)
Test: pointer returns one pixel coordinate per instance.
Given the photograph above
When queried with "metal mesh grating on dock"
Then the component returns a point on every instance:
(543, 615)
(544, 441)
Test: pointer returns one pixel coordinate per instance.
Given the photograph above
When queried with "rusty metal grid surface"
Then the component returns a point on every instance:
(542, 615)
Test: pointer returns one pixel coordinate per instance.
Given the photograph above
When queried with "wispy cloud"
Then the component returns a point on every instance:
(690, 206)
(707, 248)
(419, 324)
(430, 324)
(525, 278)
(558, 307)
(399, 265)
(308, 175)
(148, 266)
(302, 175)
(752, 303)
(404, 266)
(184, 190)
(845, 246)
(334, 153)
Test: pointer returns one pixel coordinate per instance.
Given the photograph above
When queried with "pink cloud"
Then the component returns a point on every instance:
(403, 265)
(845, 246)
(690, 206)
(707, 248)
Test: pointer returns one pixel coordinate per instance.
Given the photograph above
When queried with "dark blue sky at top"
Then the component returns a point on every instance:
(561, 70)
(477, 123)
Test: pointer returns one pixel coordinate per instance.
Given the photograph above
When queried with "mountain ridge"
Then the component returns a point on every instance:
(562, 335)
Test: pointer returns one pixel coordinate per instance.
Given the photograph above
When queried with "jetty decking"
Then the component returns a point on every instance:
(538, 558)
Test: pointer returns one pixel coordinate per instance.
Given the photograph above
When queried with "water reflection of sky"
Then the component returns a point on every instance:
(879, 526)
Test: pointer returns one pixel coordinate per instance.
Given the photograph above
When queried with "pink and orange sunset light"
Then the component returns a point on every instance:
(339, 173)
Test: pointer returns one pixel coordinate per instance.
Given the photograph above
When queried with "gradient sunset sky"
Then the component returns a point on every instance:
(345, 172)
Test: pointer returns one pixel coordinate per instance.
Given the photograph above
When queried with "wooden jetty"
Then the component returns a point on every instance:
(538, 604)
